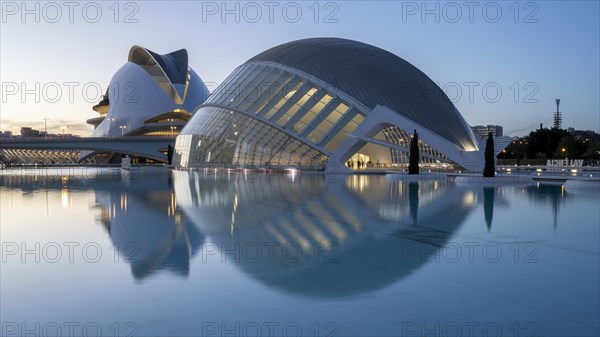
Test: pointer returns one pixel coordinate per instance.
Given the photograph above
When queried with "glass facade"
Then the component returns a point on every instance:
(373, 77)
(428, 155)
(267, 116)
(226, 138)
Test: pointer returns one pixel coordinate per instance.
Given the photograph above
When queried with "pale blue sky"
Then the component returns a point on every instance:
(558, 55)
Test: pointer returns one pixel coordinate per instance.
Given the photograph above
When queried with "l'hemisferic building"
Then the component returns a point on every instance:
(315, 102)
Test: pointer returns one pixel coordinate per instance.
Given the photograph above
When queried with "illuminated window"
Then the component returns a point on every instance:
(317, 134)
(264, 87)
(310, 115)
(292, 111)
(282, 101)
(341, 135)
(253, 90)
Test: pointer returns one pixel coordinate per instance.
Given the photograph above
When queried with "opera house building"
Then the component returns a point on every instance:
(150, 95)
(316, 102)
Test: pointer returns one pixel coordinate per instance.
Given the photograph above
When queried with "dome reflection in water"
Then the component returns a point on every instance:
(321, 236)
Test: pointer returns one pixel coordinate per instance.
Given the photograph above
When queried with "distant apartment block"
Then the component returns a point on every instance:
(27, 132)
(483, 130)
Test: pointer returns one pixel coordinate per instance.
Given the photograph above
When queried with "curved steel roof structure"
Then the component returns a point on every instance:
(172, 66)
(319, 101)
(374, 77)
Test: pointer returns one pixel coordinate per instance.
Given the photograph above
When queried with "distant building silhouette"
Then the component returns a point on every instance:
(6, 134)
(483, 130)
(27, 132)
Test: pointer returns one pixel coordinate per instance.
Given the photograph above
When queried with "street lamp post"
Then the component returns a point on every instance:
(46, 119)
(123, 127)
(112, 122)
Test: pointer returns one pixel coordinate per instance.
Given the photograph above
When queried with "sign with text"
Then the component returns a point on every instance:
(564, 163)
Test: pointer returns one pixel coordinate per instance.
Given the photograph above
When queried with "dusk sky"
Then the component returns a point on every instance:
(533, 52)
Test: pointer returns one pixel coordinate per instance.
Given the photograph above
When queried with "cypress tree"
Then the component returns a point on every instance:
(413, 161)
(169, 154)
(490, 166)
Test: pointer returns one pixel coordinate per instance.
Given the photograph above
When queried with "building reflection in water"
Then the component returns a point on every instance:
(355, 236)
(146, 228)
(552, 195)
(137, 209)
(316, 237)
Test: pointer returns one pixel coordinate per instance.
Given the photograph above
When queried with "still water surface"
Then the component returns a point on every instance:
(157, 252)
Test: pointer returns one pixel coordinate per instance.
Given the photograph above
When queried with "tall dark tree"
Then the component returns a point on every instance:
(413, 161)
(489, 169)
(169, 154)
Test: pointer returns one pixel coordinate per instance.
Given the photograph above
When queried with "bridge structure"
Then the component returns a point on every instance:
(149, 147)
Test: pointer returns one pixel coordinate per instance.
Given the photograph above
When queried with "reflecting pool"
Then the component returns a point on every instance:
(154, 252)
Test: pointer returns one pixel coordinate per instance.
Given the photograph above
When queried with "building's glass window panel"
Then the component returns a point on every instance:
(337, 113)
(276, 146)
(345, 127)
(340, 136)
(332, 145)
(271, 90)
(301, 120)
(274, 97)
(315, 136)
(311, 125)
(242, 86)
(252, 90)
(261, 90)
(325, 125)
(312, 113)
(248, 88)
(229, 85)
(181, 154)
(287, 95)
(305, 155)
(289, 113)
(302, 90)
(400, 137)
(224, 138)
(326, 120)
(298, 127)
(354, 123)
(231, 88)
(218, 93)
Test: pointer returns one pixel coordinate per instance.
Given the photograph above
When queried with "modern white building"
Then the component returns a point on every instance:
(327, 101)
(150, 95)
